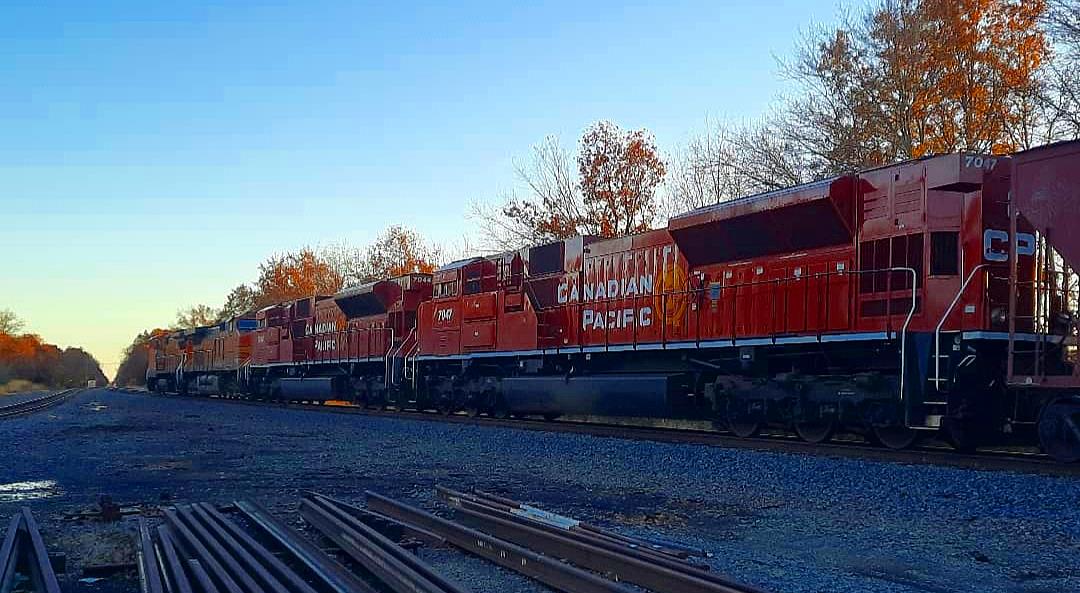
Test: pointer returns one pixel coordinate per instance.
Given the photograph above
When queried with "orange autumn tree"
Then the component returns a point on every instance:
(289, 276)
(400, 250)
(620, 172)
(982, 57)
(608, 189)
(906, 78)
(26, 361)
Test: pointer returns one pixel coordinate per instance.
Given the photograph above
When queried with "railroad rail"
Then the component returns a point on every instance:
(198, 549)
(33, 405)
(23, 553)
(1024, 461)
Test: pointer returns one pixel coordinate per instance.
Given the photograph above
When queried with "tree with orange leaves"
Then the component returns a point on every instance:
(26, 360)
(288, 276)
(620, 172)
(611, 192)
(400, 250)
(908, 78)
(397, 251)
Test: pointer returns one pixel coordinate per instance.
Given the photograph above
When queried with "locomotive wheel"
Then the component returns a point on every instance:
(445, 406)
(742, 420)
(745, 427)
(1059, 430)
(817, 431)
(896, 437)
(963, 435)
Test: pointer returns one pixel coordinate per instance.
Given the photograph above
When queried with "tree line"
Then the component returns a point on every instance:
(291, 275)
(896, 80)
(27, 362)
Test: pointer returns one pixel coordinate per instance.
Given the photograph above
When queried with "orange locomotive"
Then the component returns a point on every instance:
(936, 295)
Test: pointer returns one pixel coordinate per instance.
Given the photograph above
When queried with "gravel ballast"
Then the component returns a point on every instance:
(784, 522)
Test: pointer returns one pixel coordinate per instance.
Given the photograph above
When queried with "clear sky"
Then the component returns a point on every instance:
(153, 153)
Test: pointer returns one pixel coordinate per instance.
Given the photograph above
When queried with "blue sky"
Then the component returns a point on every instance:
(152, 154)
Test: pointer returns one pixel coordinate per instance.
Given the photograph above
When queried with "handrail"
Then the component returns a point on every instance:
(941, 322)
(387, 358)
(903, 330)
(180, 369)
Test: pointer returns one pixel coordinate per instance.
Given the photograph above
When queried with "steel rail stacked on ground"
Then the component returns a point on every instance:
(200, 550)
(23, 547)
(647, 568)
(549, 571)
(394, 566)
(666, 548)
(40, 403)
(330, 572)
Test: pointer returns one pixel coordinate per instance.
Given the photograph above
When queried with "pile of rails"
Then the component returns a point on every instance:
(199, 549)
(23, 557)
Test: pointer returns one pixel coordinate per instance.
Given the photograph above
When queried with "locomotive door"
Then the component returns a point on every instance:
(744, 302)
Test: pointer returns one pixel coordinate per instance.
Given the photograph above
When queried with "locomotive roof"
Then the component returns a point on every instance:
(776, 193)
(461, 263)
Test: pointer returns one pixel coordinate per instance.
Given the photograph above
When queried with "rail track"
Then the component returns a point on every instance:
(33, 405)
(990, 459)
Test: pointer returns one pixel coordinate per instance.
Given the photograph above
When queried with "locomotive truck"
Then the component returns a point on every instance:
(933, 296)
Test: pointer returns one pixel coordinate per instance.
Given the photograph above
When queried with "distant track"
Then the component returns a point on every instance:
(1022, 461)
(40, 403)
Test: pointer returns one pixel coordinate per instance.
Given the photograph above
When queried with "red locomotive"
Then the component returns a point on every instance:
(935, 295)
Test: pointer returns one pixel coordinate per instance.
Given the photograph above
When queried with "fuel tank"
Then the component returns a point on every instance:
(599, 395)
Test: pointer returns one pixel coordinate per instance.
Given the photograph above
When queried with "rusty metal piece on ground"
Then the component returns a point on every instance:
(109, 510)
(547, 570)
(641, 567)
(395, 567)
(329, 571)
(149, 569)
(388, 526)
(22, 546)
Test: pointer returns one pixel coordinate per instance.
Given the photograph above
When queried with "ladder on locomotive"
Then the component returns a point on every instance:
(1048, 331)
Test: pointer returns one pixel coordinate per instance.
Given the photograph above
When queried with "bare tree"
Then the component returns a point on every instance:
(10, 323)
(725, 162)
(552, 209)
(398, 250)
(196, 316)
(241, 300)
(1061, 91)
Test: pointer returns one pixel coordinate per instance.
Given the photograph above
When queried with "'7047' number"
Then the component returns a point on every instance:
(979, 162)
